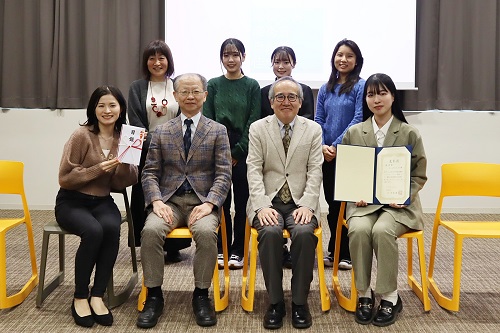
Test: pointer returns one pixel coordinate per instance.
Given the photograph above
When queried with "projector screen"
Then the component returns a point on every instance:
(384, 31)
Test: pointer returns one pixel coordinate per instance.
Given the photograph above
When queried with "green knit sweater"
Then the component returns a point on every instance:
(235, 104)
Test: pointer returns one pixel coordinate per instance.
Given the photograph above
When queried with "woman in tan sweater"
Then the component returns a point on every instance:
(88, 171)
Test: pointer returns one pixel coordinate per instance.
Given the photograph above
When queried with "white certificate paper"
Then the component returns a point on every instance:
(393, 180)
(379, 175)
(130, 146)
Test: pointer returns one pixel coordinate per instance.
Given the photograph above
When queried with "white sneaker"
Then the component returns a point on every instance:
(345, 264)
(235, 262)
(328, 261)
(220, 260)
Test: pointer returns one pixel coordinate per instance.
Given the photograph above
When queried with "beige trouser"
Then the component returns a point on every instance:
(376, 232)
(204, 234)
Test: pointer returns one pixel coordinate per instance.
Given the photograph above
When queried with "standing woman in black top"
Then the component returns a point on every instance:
(151, 103)
(283, 61)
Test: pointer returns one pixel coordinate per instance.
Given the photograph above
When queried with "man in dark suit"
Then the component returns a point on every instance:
(284, 177)
(186, 178)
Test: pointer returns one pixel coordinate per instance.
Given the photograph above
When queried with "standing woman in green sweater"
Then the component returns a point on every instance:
(234, 101)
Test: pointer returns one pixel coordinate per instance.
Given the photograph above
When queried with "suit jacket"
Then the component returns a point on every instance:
(268, 168)
(207, 167)
(399, 134)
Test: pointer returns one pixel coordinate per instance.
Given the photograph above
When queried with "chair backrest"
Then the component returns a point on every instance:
(470, 179)
(12, 182)
(11, 177)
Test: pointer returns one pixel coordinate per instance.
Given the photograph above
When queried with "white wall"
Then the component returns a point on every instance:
(37, 137)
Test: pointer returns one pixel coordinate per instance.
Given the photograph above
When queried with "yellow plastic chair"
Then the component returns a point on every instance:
(114, 298)
(420, 289)
(248, 282)
(220, 302)
(12, 182)
(463, 179)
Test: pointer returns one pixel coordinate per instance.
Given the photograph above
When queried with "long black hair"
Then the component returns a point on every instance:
(92, 121)
(353, 76)
(376, 83)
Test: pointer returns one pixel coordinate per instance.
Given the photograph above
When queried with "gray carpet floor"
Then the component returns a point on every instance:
(479, 302)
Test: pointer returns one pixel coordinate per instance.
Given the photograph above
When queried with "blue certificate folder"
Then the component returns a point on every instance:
(377, 175)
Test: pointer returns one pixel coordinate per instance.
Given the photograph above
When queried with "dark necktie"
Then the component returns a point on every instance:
(187, 136)
(284, 193)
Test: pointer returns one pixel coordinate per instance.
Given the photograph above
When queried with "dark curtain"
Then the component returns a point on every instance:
(458, 56)
(56, 52)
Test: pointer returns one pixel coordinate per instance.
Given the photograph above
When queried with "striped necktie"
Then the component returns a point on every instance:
(187, 136)
(284, 193)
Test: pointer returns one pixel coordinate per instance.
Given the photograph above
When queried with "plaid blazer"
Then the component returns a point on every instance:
(207, 168)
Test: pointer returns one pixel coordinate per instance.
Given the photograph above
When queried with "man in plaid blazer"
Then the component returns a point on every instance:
(186, 178)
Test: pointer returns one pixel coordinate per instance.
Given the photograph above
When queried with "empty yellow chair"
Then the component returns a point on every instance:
(463, 179)
(220, 302)
(248, 283)
(420, 289)
(12, 182)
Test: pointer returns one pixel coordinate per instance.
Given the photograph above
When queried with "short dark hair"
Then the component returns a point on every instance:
(376, 83)
(94, 100)
(154, 47)
(353, 76)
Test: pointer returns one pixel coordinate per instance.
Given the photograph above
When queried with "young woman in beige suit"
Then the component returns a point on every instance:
(375, 228)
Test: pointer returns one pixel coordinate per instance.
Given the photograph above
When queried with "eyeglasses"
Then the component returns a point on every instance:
(186, 93)
(281, 98)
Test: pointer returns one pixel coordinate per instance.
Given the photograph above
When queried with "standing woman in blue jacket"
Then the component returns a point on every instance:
(339, 106)
(234, 101)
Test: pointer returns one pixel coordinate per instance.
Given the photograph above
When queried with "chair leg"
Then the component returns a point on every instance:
(17, 298)
(420, 289)
(221, 303)
(247, 302)
(347, 303)
(115, 299)
(244, 283)
(453, 303)
(44, 290)
(3, 271)
(323, 290)
(457, 269)
(142, 296)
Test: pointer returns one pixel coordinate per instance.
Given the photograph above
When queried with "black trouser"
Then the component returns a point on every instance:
(240, 190)
(139, 214)
(302, 249)
(96, 220)
(333, 211)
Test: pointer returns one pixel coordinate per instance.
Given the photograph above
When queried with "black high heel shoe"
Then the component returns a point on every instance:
(86, 321)
(104, 320)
